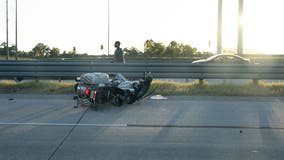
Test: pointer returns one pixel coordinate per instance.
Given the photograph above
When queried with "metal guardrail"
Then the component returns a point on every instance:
(61, 70)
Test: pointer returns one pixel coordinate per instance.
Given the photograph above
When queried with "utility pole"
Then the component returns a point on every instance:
(240, 28)
(108, 26)
(16, 30)
(219, 32)
(7, 32)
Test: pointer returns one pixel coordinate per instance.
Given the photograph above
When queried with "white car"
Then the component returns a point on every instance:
(224, 59)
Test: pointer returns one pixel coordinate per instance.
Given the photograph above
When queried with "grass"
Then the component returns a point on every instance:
(158, 87)
(36, 87)
(225, 89)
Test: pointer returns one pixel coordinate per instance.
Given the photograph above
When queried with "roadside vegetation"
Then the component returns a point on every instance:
(153, 51)
(157, 87)
(36, 87)
(223, 89)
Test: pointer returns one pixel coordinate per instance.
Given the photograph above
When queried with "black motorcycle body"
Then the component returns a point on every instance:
(100, 88)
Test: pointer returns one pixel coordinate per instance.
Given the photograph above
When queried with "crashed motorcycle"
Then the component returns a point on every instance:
(93, 89)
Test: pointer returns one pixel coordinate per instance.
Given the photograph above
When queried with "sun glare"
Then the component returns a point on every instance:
(191, 22)
(263, 26)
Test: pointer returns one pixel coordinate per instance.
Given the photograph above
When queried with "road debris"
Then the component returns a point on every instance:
(159, 97)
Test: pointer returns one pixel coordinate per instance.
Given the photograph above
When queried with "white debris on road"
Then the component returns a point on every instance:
(159, 97)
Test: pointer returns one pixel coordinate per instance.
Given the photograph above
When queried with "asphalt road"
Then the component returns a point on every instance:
(40, 127)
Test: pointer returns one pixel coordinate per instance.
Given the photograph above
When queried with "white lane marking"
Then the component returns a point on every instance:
(138, 125)
(63, 124)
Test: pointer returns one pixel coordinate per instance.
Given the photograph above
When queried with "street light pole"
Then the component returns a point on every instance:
(219, 32)
(108, 27)
(240, 28)
(16, 28)
(7, 31)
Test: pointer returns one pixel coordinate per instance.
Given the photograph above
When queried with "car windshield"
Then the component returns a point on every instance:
(226, 59)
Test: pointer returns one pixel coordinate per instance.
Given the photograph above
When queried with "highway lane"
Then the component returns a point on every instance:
(48, 127)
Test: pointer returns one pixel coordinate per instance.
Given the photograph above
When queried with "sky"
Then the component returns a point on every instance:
(84, 24)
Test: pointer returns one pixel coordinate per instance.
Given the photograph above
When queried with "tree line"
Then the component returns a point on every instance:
(158, 49)
(151, 49)
(41, 50)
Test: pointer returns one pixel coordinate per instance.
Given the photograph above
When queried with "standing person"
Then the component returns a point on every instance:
(118, 53)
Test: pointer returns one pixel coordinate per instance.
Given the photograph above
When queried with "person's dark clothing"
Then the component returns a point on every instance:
(118, 55)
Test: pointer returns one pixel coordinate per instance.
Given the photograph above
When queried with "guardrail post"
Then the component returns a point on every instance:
(255, 82)
(186, 80)
(201, 81)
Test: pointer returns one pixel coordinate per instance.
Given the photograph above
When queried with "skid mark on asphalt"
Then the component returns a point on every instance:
(67, 135)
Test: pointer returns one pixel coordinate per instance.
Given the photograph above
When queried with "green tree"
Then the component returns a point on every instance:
(132, 52)
(54, 52)
(187, 50)
(71, 53)
(12, 49)
(174, 48)
(3, 48)
(74, 50)
(154, 48)
(40, 50)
